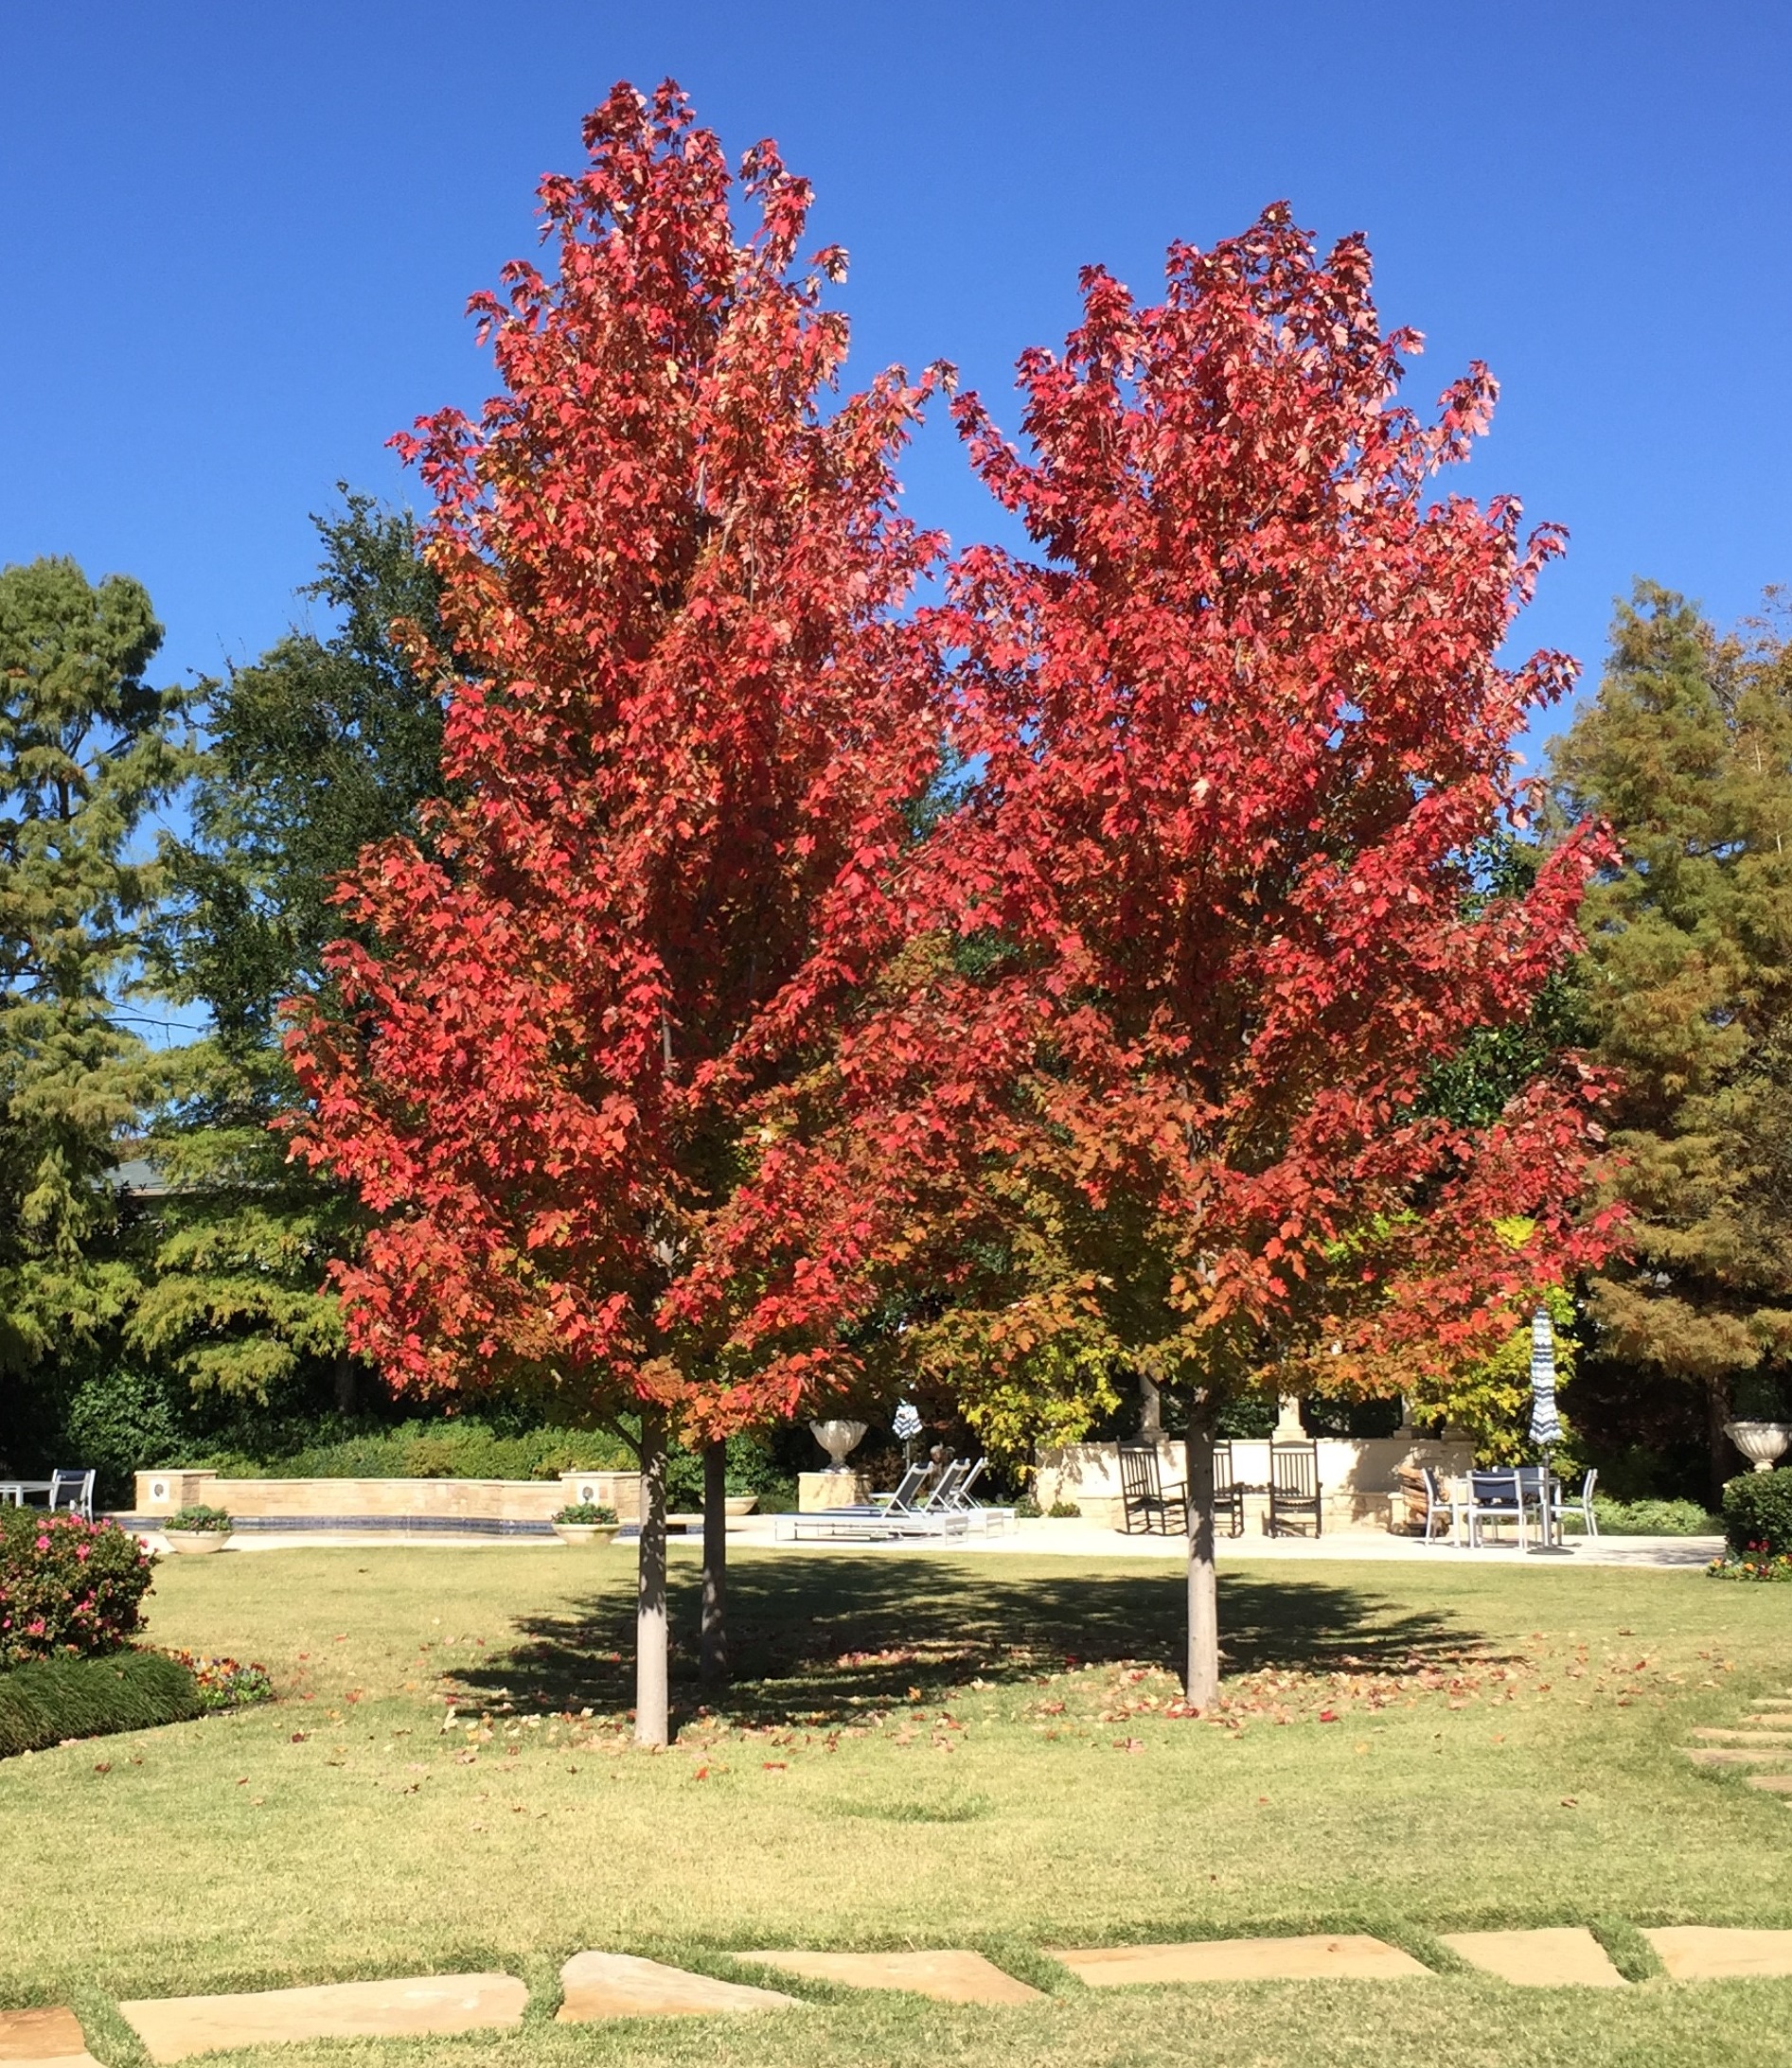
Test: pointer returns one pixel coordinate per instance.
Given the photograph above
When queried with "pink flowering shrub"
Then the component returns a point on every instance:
(68, 1588)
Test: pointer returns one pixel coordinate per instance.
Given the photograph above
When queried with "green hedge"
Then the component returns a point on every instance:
(44, 1702)
(460, 1449)
(1758, 1513)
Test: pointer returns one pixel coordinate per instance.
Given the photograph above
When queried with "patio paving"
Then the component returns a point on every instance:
(173, 2027)
(1318, 1957)
(44, 2038)
(624, 1986)
(1566, 1956)
(1704, 1952)
(953, 1977)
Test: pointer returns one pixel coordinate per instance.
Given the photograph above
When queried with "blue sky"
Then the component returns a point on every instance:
(236, 240)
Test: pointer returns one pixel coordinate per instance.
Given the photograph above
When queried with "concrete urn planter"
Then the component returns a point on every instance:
(196, 1543)
(586, 1532)
(1760, 1442)
(740, 1504)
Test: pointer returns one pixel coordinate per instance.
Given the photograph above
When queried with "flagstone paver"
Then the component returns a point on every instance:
(172, 2027)
(44, 2038)
(624, 1986)
(1730, 1756)
(1773, 1784)
(1565, 1957)
(1704, 1952)
(1305, 1959)
(953, 1977)
(1713, 1736)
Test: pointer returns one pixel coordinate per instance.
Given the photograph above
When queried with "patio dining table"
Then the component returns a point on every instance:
(16, 1490)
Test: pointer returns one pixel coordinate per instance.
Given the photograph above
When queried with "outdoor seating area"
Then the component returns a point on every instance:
(72, 1489)
(930, 1502)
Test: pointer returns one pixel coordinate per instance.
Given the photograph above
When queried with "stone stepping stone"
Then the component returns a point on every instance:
(1317, 1957)
(1730, 1756)
(1775, 1784)
(1566, 1956)
(172, 2027)
(955, 1977)
(1713, 1736)
(625, 1986)
(44, 2038)
(1706, 1952)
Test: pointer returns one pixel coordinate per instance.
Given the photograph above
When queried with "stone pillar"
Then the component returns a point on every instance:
(1287, 1420)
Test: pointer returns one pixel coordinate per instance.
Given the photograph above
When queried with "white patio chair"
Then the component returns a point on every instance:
(73, 1490)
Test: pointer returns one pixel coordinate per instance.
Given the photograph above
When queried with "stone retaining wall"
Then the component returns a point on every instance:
(448, 1501)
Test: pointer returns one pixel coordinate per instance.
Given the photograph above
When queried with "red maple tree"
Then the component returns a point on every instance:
(1147, 1078)
(682, 723)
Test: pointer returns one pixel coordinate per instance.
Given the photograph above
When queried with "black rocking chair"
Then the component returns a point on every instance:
(1294, 1496)
(1229, 1496)
(1147, 1503)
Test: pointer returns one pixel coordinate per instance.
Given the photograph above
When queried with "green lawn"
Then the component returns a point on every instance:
(928, 1751)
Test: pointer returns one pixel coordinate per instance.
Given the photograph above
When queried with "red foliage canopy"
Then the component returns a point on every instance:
(1152, 1069)
(682, 727)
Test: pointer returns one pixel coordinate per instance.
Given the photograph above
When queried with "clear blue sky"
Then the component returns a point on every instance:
(237, 238)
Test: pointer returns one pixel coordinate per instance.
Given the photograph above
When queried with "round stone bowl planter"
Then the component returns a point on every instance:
(1760, 1442)
(196, 1543)
(586, 1532)
(740, 1504)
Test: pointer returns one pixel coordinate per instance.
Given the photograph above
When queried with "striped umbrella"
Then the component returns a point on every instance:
(1545, 1427)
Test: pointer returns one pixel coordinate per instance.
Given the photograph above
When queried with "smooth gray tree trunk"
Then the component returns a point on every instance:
(1201, 1680)
(650, 1706)
(714, 1648)
(1150, 1409)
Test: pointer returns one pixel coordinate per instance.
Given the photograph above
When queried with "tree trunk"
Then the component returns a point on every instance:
(1150, 1409)
(649, 1622)
(1201, 1680)
(715, 1624)
(346, 1388)
(1725, 1458)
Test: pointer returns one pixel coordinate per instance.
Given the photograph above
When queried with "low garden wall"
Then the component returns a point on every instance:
(1355, 1474)
(500, 1504)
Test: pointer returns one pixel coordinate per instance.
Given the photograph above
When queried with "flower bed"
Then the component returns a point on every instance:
(1755, 1563)
(224, 1683)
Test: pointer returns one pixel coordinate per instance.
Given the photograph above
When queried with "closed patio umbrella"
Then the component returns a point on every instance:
(1545, 1424)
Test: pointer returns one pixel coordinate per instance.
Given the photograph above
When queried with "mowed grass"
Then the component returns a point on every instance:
(932, 1752)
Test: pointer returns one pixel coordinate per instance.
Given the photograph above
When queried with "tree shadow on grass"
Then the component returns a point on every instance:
(822, 1640)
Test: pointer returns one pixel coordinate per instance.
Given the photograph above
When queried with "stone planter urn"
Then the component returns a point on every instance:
(196, 1543)
(1760, 1442)
(739, 1504)
(837, 1438)
(586, 1532)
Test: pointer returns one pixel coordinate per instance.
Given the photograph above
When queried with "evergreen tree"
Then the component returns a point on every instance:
(1687, 989)
(322, 746)
(88, 749)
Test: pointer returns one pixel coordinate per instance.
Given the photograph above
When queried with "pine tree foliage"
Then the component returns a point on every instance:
(323, 745)
(88, 750)
(1687, 987)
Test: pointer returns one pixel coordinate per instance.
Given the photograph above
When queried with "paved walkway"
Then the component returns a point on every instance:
(1048, 1538)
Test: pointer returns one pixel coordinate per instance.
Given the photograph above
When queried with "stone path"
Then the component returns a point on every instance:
(1566, 1956)
(599, 1985)
(624, 1986)
(1701, 1952)
(172, 2027)
(953, 1977)
(1318, 1957)
(43, 2039)
(1763, 1740)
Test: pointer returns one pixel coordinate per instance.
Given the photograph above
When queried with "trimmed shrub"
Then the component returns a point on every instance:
(1649, 1518)
(68, 1588)
(1758, 1513)
(460, 1448)
(41, 1705)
